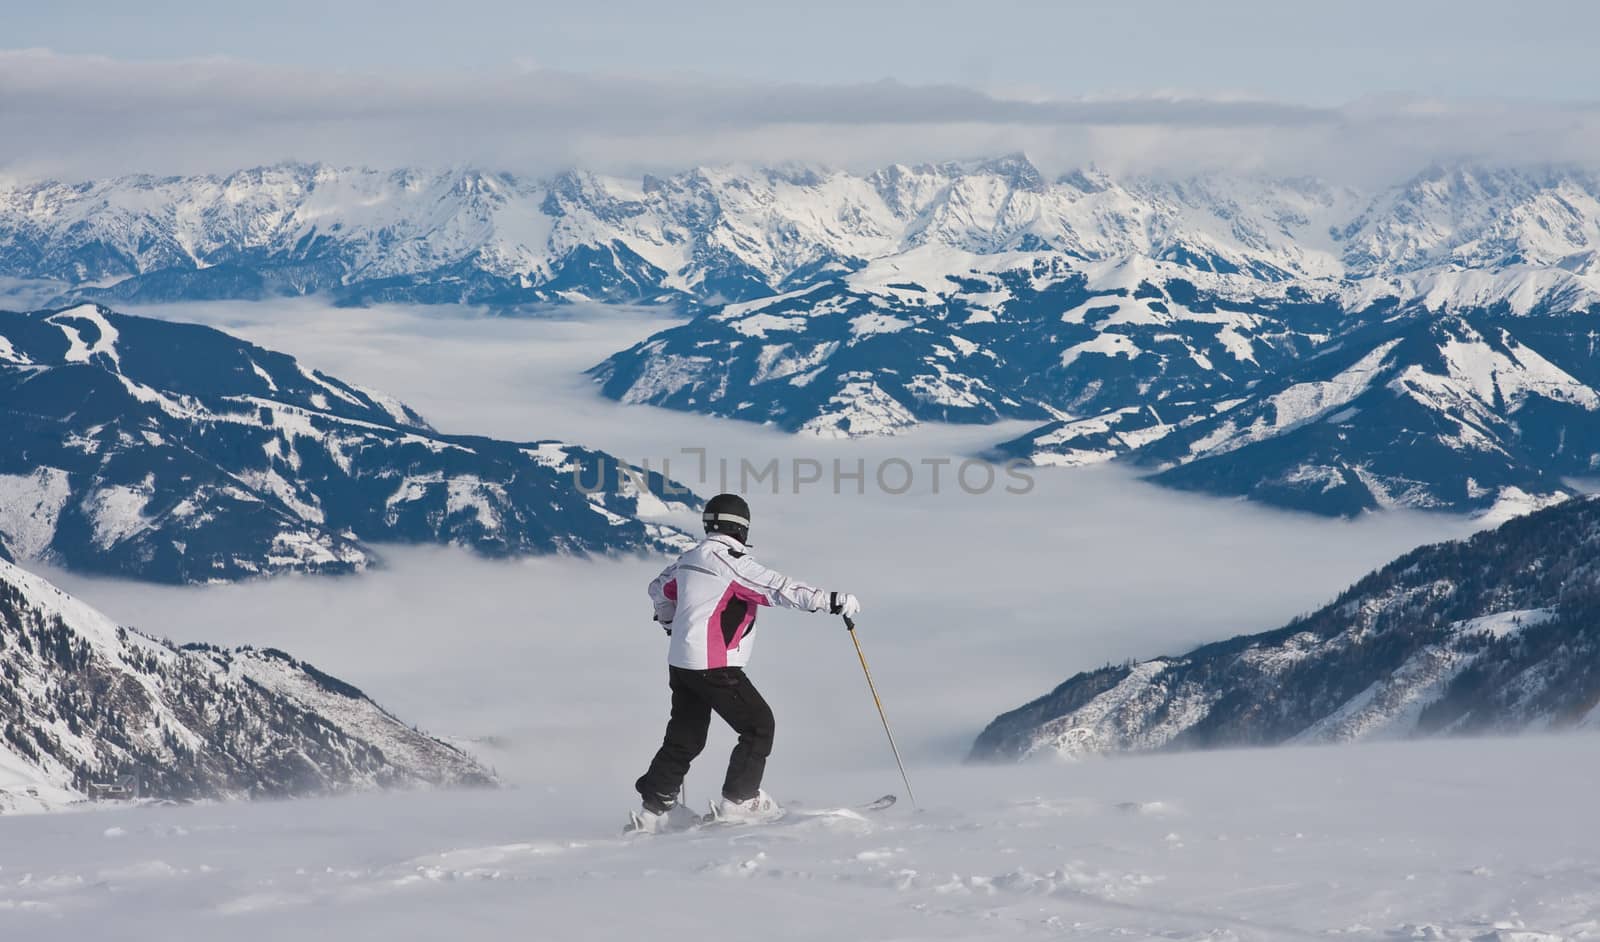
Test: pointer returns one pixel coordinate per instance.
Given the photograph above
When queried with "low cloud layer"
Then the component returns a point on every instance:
(72, 116)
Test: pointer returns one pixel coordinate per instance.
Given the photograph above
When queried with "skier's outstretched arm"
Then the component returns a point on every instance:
(664, 594)
(778, 589)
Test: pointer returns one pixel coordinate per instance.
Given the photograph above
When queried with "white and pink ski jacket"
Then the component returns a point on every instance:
(710, 596)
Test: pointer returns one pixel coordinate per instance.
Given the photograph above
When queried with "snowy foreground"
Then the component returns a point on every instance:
(1469, 839)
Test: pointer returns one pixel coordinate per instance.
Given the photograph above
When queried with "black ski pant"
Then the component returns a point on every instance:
(727, 692)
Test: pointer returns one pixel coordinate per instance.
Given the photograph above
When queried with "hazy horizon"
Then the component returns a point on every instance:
(1355, 92)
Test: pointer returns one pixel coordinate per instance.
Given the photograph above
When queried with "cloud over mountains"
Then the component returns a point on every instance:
(79, 115)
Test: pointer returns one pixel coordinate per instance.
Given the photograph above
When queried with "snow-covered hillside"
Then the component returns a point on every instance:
(1443, 412)
(178, 453)
(89, 704)
(1497, 633)
(940, 334)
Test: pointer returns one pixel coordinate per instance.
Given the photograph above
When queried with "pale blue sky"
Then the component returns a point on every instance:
(1315, 52)
(1356, 89)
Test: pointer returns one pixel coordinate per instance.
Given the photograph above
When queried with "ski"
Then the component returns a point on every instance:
(678, 819)
(797, 810)
(876, 804)
(880, 803)
(682, 820)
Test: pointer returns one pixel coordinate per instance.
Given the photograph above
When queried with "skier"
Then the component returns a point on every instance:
(706, 601)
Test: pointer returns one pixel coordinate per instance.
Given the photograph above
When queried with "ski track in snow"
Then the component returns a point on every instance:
(1367, 842)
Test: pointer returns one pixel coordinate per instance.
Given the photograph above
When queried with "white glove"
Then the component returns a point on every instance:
(843, 603)
(664, 615)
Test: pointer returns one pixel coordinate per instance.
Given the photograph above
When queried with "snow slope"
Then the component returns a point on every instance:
(1366, 842)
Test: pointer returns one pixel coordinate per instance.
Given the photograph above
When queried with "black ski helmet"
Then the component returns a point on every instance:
(727, 513)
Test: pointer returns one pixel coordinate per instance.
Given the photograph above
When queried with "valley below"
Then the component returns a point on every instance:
(975, 602)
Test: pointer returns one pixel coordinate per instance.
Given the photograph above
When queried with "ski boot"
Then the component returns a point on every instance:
(762, 809)
(660, 815)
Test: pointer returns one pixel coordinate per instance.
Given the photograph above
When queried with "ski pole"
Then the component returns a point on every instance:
(851, 625)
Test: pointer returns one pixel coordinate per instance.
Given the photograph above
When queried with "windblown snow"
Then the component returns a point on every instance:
(1361, 842)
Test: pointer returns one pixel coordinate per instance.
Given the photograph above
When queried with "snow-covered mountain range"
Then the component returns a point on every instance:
(709, 234)
(89, 704)
(1314, 396)
(715, 234)
(1116, 312)
(1496, 633)
(178, 453)
(1250, 344)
